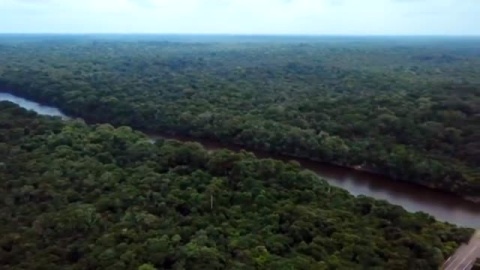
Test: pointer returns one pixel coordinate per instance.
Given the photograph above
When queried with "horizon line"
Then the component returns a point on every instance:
(241, 34)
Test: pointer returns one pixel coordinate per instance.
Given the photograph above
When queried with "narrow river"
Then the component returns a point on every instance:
(441, 205)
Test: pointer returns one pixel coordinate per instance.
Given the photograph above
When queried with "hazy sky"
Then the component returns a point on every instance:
(331, 17)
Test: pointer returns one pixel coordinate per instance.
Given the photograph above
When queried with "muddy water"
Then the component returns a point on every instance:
(443, 206)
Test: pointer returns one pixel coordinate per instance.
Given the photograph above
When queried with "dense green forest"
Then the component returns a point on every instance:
(408, 108)
(75, 196)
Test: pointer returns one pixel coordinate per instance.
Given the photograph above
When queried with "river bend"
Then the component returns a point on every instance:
(441, 205)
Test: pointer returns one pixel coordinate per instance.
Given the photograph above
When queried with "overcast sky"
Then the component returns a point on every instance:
(313, 17)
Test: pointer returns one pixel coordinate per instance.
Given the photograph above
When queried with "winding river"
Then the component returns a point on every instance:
(441, 205)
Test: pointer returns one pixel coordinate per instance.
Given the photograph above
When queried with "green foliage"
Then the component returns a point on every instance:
(407, 108)
(75, 196)
(146, 267)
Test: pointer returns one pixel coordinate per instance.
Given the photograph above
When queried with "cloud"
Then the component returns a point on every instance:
(143, 3)
(408, 1)
(242, 16)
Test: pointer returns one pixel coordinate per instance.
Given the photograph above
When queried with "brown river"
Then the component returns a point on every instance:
(414, 198)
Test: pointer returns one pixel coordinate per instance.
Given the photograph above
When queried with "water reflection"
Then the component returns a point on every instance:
(414, 198)
(441, 205)
(34, 106)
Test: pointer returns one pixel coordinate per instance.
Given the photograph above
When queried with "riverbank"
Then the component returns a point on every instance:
(441, 205)
(286, 157)
(445, 175)
(71, 178)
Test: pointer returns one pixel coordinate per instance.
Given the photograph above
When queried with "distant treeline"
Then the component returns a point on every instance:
(408, 109)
